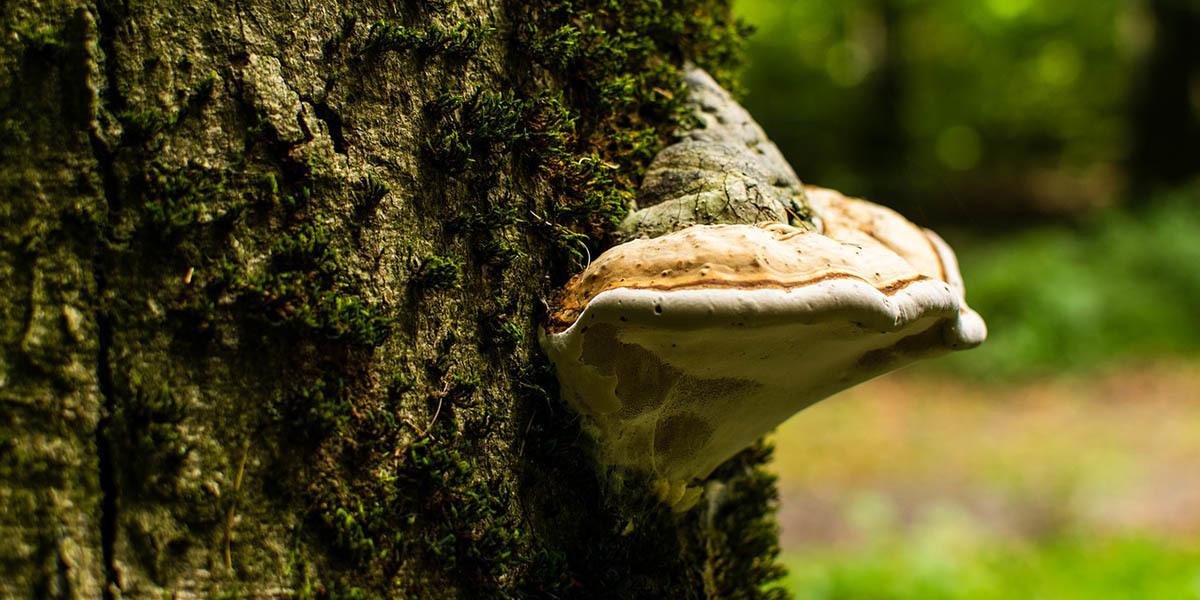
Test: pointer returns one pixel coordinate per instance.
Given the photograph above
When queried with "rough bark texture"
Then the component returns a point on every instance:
(272, 273)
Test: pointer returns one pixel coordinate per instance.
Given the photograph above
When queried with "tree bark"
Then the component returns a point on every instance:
(272, 278)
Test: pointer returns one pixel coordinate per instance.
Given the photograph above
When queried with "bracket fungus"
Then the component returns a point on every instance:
(683, 346)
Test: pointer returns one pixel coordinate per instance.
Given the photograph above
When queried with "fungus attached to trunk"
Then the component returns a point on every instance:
(682, 350)
(707, 328)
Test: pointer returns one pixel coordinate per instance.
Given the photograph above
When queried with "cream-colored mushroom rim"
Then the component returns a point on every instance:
(787, 274)
(694, 298)
(848, 299)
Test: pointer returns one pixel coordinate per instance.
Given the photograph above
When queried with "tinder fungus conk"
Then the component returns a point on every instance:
(683, 349)
(740, 298)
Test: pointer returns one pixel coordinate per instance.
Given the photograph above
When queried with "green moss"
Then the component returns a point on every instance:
(40, 38)
(439, 273)
(497, 251)
(146, 424)
(176, 200)
(461, 40)
(459, 473)
(313, 409)
(744, 525)
(476, 131)
(367, 195)
(616, 101)
(438, 508)
(143, 124)
(501, 332)
(304, 294)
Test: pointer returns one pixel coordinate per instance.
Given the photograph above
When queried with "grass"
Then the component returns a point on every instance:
(932, 567)
(1077, 486)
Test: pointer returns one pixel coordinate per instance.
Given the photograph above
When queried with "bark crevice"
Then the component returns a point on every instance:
(108, 477)
(103, 59)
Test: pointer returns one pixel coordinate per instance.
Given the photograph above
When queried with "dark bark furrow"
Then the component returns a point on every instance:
(102, 100)
(109, 500)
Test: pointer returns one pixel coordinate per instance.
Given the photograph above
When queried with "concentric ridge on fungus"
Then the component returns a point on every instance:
(734, 257)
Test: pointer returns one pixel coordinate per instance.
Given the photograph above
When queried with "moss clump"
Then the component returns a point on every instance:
(459, 41)
(477, 131)
(743, 525)
(313, 409)
(367, 195)
(143, 124)
(305, 290)
(616, 100)
(40, 39)
(146, 425)
(439, 273)
(437, 504)
(176, 200)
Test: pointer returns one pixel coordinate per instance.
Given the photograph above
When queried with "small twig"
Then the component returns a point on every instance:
(437, 412)
(525, 436)
(441, 396)
(231, 515)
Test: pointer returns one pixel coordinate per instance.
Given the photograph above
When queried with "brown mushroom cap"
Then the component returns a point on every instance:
(743, 257)
(857, 221)
(683, 349)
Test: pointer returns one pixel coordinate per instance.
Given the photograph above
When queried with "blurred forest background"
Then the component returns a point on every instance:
(1056, 145)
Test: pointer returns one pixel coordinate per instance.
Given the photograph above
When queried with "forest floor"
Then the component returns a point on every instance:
(928, 486)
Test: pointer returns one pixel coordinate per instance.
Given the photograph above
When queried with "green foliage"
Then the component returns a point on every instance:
(1060, 298)
(904, 101)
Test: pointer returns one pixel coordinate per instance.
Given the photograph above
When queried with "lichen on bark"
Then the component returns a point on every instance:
(273, 273)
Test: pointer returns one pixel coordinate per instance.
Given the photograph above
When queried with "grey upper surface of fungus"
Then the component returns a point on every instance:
(739, 298)
(724, 170)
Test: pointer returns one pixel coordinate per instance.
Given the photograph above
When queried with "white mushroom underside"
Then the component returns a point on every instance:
(679, 381)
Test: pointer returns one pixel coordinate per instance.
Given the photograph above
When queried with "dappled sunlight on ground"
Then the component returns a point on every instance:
(1109, 454)
(916, 486)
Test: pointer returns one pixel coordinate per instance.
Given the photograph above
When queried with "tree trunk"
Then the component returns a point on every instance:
(880, 130)
(272, 274)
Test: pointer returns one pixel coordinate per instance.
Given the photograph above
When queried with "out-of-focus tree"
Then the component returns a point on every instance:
(1004, 107)
(1166, 110)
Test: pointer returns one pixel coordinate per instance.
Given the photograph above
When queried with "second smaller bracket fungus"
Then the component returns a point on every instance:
(681, 350)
